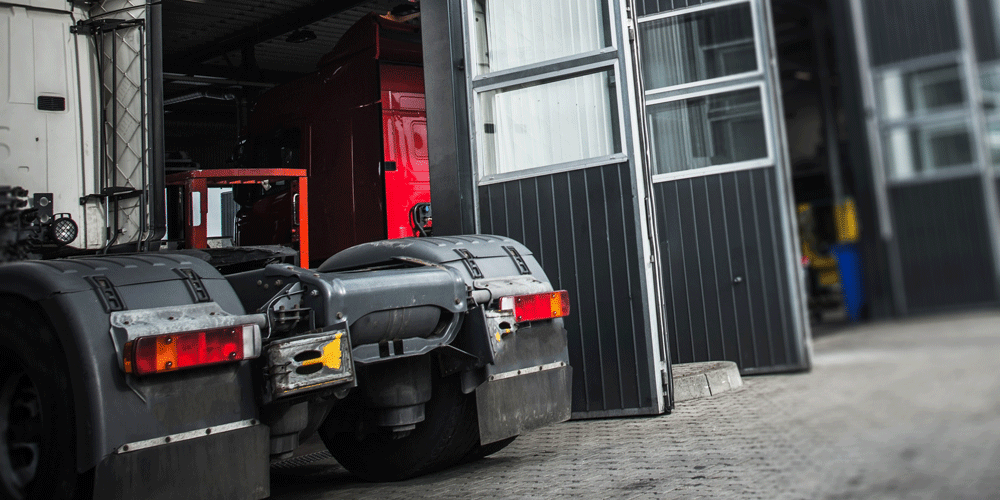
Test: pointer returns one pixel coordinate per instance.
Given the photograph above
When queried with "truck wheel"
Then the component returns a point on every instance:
(485, 450)
(37, 425)
(447, 434)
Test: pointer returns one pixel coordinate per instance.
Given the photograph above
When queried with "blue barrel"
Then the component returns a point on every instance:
(849, 265)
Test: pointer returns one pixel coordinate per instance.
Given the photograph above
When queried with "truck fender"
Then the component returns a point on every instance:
(78, 296)
(525, 381)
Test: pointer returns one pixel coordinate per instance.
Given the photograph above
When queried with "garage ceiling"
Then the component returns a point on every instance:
(213, 37)
(219, 55)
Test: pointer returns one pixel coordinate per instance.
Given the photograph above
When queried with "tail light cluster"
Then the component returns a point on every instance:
(177, 351)
(537, 306)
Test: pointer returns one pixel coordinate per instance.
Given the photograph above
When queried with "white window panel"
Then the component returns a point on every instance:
(916, 150)
(699, 46)
(993, 141)
(709, 130)
(921, 92)
(512, 33)
(547, 123)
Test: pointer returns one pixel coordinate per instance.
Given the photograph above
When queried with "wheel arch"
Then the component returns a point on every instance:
(109, 411)
(72, 340)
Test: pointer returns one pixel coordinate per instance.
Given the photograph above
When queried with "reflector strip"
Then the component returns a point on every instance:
(177, 351)
(184, 436)
(527, 371)
(537, 306)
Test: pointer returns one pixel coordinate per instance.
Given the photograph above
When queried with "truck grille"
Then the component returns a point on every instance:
(51, 103)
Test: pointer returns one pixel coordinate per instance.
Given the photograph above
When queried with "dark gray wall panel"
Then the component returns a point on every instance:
(725, 272)
(907, 29)
(944, 244)
(582, 229)
(984, 31)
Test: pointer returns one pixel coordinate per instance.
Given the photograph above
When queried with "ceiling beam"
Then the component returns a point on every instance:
(263, 31)
(207, 73)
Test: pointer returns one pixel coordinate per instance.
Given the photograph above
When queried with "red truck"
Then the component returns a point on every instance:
(357, 125)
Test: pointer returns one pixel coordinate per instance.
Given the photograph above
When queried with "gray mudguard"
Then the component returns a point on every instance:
(525, 378)
(475, 257)
(113, 409)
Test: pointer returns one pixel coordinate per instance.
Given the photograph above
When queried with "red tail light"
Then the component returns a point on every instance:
(177, 351)
(537, 306)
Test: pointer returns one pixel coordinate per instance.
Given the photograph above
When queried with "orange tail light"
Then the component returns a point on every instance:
(178, 351)
(537, 306)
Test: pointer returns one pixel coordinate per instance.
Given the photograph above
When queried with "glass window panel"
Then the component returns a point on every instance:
(547, 123)
(989, 80)
(993, 141)
(915, 93)
(512, 33)
(650, 7)
(912, 151)
(706, 131)
(698, 46)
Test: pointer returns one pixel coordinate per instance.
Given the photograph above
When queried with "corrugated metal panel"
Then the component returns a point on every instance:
(907, 29)
(648, 7)
(944, 244)
(581, 225)
(724, 271)
(984, 30)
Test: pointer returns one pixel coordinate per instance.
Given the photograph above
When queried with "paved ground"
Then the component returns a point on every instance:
(900, 410)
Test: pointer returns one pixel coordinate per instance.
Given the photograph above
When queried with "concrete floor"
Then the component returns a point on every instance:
(893, 410)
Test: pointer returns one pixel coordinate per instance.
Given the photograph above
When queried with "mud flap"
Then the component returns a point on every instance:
(232, 464)
(519, 403)
(529, 383)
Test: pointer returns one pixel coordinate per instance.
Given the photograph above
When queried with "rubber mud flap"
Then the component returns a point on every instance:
(514, 405)
(233, 464)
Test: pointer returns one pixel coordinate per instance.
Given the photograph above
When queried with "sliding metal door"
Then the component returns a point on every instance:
(728, 245)
(555, 134)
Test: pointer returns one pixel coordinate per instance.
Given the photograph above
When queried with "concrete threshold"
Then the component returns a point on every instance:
(699, 380)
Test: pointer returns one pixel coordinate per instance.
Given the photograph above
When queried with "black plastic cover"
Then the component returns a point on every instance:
(489, 255)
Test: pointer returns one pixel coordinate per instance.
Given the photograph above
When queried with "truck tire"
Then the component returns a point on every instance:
(37, 423)
(447, 434)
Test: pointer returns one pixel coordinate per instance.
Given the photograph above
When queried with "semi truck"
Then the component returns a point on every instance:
(133, 371)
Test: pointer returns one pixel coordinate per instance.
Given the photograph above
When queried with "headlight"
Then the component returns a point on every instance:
(63, 229)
